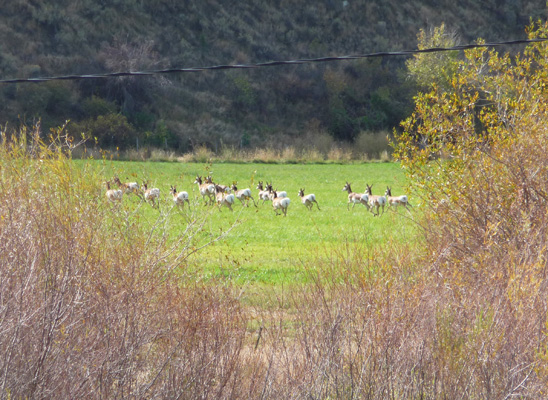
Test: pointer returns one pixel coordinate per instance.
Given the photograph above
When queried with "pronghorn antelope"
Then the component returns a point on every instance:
(280, 203)
(396, 200)
(151, 194)
(113, 194)
(355, 198)
(224, 188)
(308, 200)
(223, 199)
(264, 195)
(179, 198)
(282, 193)
(127, 187)
(243, 195)
(206, 189)
(375, 201)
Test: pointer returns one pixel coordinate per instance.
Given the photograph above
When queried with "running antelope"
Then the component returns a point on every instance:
(243, 195)
(151, 194)
(375, 201)
(113, 194)
(179, 198)
(127, 187)
(282, 193)
(355, 198)
(308, 200)
(396, 200)
(264, 195)
(223, 199)
(280, 203)
(224, 188)
(206, 189)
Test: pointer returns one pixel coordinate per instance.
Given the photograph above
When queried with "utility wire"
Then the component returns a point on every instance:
(272, 63)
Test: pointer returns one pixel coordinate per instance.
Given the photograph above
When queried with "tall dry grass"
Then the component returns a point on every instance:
(91, 304)
(377, 324)
(318, 147)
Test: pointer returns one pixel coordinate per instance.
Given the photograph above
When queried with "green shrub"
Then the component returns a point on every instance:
(95, 106)
(108, 131)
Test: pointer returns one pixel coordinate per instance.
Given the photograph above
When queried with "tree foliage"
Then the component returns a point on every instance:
(109, 130)
(438, 68)
(476, 156)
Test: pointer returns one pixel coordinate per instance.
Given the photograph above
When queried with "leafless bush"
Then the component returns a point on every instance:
(91, 305)
(389, 329)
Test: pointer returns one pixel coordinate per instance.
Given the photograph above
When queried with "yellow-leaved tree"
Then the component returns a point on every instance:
(476, 155)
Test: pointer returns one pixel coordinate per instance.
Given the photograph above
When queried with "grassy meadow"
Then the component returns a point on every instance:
(263, 248)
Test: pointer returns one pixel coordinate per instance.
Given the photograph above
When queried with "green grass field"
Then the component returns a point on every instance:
(263, 248)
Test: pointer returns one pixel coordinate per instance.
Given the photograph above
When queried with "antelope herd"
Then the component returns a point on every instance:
(225, 195)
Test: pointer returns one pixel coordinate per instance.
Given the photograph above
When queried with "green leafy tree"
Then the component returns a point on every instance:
(428, 68)
(341, 124)
(109, 131)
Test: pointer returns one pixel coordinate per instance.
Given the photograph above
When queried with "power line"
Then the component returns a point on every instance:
(272, 63)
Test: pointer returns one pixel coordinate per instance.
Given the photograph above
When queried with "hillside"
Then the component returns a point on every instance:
(235, 108)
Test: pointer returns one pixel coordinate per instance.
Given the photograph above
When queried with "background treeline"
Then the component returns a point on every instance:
(335, 102)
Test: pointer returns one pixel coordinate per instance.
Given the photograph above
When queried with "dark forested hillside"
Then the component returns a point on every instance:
(236, 107)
